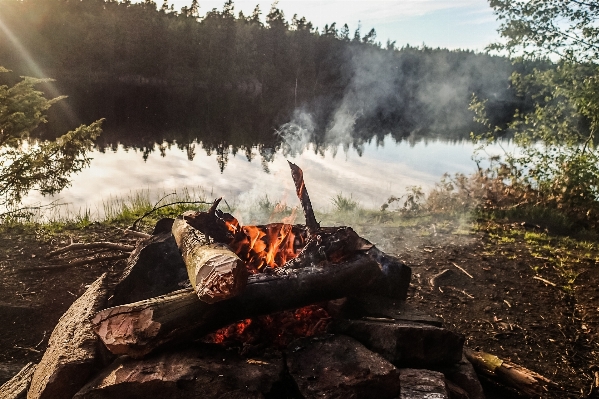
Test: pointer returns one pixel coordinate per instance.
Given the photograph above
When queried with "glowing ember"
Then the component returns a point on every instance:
(277, 329)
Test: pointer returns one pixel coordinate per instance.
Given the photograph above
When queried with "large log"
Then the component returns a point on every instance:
(16, 387)
(215, 272)
(72, 354)
(138, 328)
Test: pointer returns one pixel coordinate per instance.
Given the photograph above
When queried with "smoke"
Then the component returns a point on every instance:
(411, 92)
(297, 134)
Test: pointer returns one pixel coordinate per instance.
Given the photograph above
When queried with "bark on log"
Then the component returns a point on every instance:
(215, 272)
(509, 374)
(136, 329)
(72, 353)
(16, 387)
(154, 268)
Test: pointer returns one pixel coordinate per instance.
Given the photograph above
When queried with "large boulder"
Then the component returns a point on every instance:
(405, 344)
(338, 366)
(205, 371)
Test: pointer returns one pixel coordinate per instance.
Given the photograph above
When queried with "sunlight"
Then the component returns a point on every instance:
(33, 66)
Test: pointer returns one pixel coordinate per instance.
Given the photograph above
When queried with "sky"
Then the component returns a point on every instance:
(465, 24)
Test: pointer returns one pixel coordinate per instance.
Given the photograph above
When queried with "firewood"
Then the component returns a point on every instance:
(302, 193)
(73, 352)
(136, 329)
(16, 387)
(215, 272)
(509, 374)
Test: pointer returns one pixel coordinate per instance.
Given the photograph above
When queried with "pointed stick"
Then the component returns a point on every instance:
(302, 193)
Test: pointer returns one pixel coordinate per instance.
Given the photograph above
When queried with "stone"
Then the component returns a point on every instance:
(73, 348)
(384, 307)
(197, 371)
(462, 374)
(16, 387)
(405, 343)
(337, 366)
(422, 384)
(154, 268)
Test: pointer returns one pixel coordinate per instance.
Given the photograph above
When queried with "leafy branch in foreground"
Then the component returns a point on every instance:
(554, 163)
(27, 165)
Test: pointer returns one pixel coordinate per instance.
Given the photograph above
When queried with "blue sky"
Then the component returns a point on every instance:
(467, 24)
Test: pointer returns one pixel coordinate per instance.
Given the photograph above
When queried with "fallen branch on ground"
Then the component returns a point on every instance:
(77, 263)
(91, 245)
(509, 374)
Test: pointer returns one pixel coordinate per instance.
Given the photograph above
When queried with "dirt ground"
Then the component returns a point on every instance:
(481, 286)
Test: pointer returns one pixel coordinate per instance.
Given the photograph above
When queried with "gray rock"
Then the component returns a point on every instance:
(422, 384)
(381, 306)
(463, 375)
(340, 367)
(205, 372)
(406, 343)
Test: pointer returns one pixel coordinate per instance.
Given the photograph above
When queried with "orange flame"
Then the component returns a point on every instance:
(271, 245)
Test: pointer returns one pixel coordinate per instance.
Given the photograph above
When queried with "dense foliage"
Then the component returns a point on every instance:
(27, 165)
(555, 162)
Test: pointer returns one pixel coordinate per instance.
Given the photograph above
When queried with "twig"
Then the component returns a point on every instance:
(91, 245)
(156, 207)
(544, 280)
(462, 270)
(461, 291)
(74, 264)
(27, 349)
(136, 233)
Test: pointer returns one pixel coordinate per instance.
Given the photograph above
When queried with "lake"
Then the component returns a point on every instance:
(369, 175)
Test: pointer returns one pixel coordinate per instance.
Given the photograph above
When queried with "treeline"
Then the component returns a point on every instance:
(236, 77)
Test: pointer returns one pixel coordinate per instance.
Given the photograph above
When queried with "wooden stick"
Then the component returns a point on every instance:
(302, 193)
(506, 373)
(136, 233)
(462, 270)
(75, 264)
(91, 245)
(544, 280)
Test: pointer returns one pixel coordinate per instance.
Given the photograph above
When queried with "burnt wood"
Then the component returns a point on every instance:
(138, 328)
(302, 193)
(154, 268)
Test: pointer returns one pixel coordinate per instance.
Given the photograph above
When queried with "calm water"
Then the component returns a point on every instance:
(370, 177)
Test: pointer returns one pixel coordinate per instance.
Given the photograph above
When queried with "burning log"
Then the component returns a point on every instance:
(298, 179)
(215, 272)
(136, 329)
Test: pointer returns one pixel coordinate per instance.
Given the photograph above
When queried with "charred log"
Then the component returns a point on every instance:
(138, 328)
(302, 193)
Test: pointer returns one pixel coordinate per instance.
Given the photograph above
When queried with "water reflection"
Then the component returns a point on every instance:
(370, 174)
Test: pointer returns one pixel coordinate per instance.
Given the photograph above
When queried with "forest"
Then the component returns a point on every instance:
(144, 66)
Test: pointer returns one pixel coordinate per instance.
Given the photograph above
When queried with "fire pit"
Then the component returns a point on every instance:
(208, 308)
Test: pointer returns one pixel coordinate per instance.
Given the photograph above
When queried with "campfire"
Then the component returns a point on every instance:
(210, 308)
